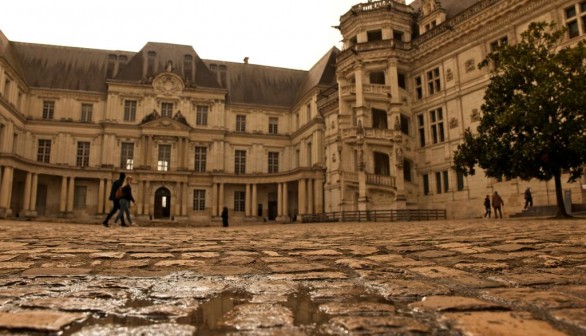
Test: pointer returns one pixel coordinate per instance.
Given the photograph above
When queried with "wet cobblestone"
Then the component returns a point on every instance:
(478, 277)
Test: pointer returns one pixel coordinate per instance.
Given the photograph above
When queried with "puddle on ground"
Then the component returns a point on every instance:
(208, 317)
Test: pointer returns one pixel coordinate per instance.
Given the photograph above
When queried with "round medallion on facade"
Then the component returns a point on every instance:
(168, 84)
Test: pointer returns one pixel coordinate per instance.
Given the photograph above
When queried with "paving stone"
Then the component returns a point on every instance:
(200, 255)
(574, 317)
(38, 320)
(499, 324)
(253, 316)
(532, 279)
(36, 272)
(355, 263)
(374, 325)
(107, 255)
(511, 247)
(494, 256)
(439, 272)
(237, 260)
(75, 304)
(161, 329)
(451, 303)
(296, 267)
(151, 255)
(434, 254)
(407, 288)
(360, 308)
(308, 276)
(17, 265)
(179, 263)
(481, 267)
(279, 260)
(360, 250)
(525, 298)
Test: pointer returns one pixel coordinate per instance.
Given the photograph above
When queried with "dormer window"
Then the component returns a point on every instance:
(151, 63)
(374, 35)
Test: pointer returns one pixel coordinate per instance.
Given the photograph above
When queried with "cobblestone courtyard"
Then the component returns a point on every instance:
(478, 277)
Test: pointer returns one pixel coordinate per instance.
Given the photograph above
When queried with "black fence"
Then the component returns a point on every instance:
(398, 215)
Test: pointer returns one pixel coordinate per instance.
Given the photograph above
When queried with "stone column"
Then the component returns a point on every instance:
(70, 194)
(63, 195)
(214, 199)
(301, 198)
(5, 191)
(319, 194)
(247, 201)
(221, 201)
(178, 202)
(148, 149)
(254, 202)
(26, 202)
(279, 200)
(185, 203)
(285, 200)
(310, 196)
(186, 153)
(147, 199)
(34, 187)
(107, 188)
(100, 209)
(139, 198)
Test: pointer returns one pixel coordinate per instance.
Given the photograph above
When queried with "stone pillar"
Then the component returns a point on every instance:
(34, 187)
(70, 194)
(301, 198)
(148, 149)
(362, 198)
(107, 189)
(319, 195)
(178, 202)
(100, 209)
(5, 192)
(285, 201)
(186, 153)
(139, 198)
(221, 201)
(254, 202)
(147, 199)
(26, 201)
(247, 201)
(310, 196)
(185, 203)
(214, 199)
(63, 195)
(279, 200)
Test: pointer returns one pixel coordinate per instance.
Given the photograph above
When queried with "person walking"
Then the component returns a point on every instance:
(487, 207)
(497, 203)
(125, 200)
(225, 217)
(528, 198)
(115, 201)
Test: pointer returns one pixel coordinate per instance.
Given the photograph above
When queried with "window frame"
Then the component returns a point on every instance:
(164, 158)
(201, 115)
(86, 112)
(240, 123)
(273, 162)
(199, 199)
(167, 109)
(130, 107)
(126, 154)
(44, 150)
(436, 126)
(239, 162)
(82, 158)
(273, 125)
(200, 159)
(48, 109)
(239, 201)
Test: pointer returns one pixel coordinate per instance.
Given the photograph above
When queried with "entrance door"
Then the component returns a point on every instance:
(272, 210)
(42, 199)
(162, 203)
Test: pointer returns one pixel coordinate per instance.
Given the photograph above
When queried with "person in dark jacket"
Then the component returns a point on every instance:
(225, 217)
(115, 202)
(125, 200)
(497, 203)
(487, 207)
(528, 199)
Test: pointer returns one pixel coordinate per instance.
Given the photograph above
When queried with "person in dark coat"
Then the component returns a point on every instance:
(497, 203)
(115, 202)
(225, 217)
(125, 202)
(528, 198)
(487, 207)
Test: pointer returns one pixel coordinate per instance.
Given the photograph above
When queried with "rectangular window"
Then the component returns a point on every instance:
(240, 162)
(308, 153)
(48, 109)
(240, 123)
(200, 159)
(438, 182)
(199, 200)
(129, 110)
(239, 201)
(406, 170)
(167, 110)
(127, 156)
(164, 161)
(201, 116)
(44, 151)
(377, 77)
(83, 154)
(404, 121)
(460, 180)
(418, 87)
(425, 178)
(421, 129)
(446, 181)
(442, 182)
(273, 162)
(433, 81)
(6, 93)
(436, 123)
(273, 125)
(79, 197)
(308, 112)
(86, 112)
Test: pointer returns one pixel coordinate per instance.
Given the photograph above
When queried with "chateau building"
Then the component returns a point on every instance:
(370, 127)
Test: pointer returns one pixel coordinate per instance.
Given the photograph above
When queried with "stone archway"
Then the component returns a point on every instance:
(162, 203)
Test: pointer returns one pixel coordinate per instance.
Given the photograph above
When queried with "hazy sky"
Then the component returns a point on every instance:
(291, 34)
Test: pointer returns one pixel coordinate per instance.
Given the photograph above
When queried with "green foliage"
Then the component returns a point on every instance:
(534, 123)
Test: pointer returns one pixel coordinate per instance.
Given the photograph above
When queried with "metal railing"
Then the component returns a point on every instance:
(396, 215)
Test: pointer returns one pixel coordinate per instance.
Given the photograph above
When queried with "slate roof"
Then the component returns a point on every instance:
(452, 7)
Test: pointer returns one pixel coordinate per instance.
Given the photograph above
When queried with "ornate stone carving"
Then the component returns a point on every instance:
(168, 84)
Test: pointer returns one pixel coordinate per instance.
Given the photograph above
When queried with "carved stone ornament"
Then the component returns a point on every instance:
(168, 84)
(453, 123)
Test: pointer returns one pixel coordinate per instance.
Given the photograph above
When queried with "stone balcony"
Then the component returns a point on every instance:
(381, 180)
(372, 90)
(372, 134)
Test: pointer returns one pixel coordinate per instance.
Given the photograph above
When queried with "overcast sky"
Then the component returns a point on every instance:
(291, 34)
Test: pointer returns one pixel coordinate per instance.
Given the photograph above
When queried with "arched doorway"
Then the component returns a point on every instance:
(162, 203)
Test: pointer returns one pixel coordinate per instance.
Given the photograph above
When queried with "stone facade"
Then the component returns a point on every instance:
(373, 126)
